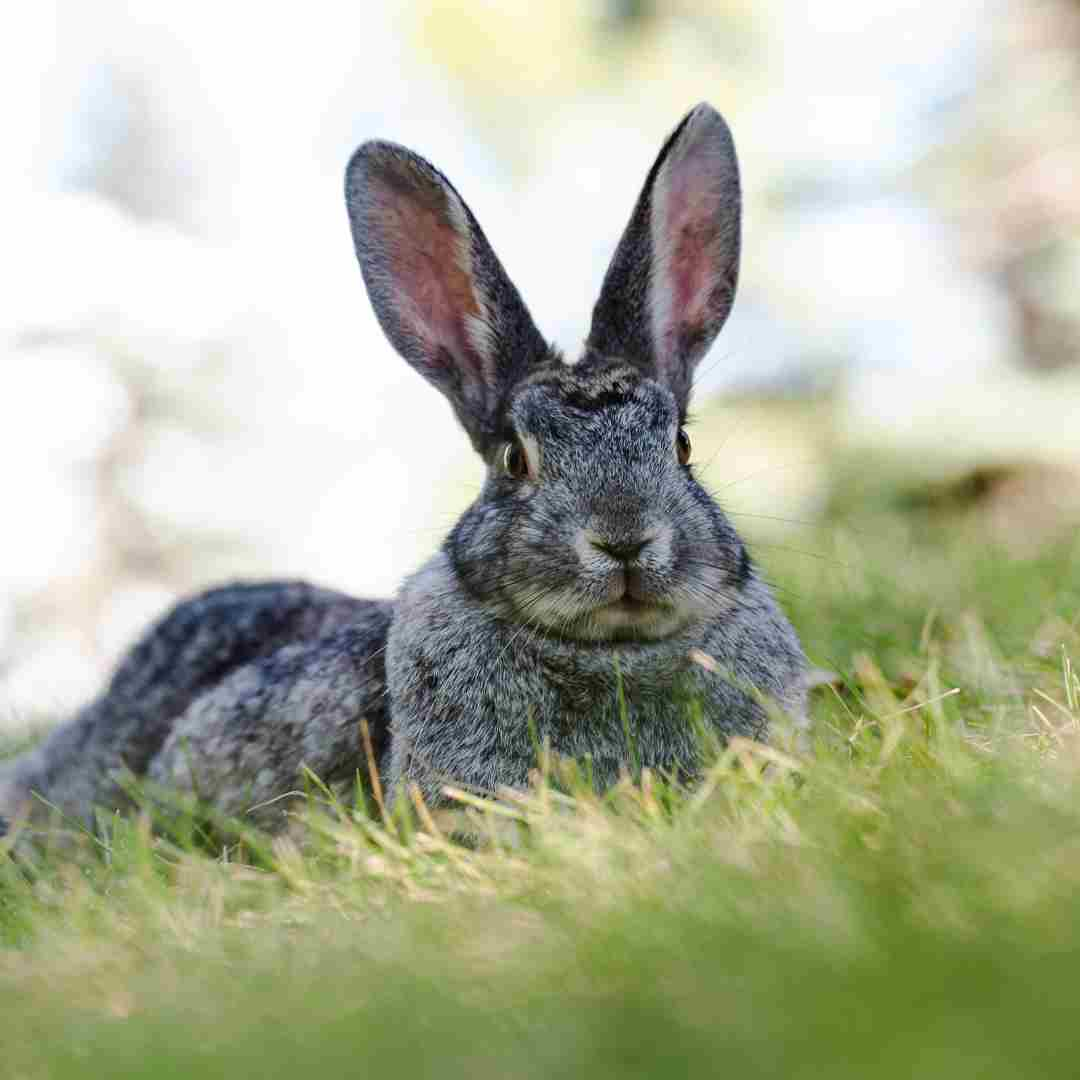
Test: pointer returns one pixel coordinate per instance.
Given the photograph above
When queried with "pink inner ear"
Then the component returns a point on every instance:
(429, 263)
(690, 223)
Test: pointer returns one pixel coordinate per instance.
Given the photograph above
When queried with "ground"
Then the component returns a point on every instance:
(902, 899)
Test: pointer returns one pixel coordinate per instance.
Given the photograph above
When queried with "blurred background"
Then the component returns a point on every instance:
(196, 386)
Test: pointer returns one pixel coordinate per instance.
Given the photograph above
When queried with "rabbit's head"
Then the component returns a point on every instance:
(590, 525)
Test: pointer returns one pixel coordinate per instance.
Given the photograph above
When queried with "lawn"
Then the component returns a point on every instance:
(900, 900)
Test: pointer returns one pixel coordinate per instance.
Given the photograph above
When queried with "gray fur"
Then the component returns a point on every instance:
(236, 654)
(495, 646)
(570, 605)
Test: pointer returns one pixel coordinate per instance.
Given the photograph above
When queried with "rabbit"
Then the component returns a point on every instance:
(594, 599)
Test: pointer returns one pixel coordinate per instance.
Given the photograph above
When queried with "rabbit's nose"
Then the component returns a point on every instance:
(622, 552)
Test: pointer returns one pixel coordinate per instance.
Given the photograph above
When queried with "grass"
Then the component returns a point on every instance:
(903, 901)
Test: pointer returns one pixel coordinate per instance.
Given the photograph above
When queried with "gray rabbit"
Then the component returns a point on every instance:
(594, 598)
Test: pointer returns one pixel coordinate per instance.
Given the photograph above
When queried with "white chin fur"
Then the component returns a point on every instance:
(568, 617)
(618, 623)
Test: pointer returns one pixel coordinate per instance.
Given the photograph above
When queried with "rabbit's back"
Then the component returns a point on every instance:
(229, 645)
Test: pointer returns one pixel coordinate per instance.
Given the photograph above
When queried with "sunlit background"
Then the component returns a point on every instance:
(196, 388)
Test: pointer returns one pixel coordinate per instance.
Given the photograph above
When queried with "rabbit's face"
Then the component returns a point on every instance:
(591, 524)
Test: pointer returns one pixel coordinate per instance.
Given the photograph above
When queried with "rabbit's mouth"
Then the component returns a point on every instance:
(630, 605)
(628, 594)
(631, 613)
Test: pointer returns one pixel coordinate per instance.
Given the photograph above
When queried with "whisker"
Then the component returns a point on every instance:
(808, 554)
(708, 368)
(769, 469)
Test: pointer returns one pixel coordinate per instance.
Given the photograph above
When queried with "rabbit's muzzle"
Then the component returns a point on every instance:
(623, 580)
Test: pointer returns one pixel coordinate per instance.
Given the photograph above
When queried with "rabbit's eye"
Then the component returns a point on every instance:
(514, 461)
(682, 447)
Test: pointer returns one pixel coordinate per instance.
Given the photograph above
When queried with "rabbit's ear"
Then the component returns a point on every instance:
(672, 281)
(439, 292)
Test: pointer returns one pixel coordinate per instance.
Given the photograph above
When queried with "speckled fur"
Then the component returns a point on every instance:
(256, 678)
(478, 675)
(594, 598)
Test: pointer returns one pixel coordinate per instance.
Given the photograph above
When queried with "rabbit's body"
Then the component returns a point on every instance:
(611, 707)
(497, 638)
(594, 599)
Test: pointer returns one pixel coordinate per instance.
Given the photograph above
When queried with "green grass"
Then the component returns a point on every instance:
(904, 901)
